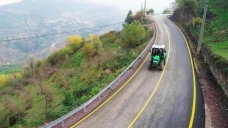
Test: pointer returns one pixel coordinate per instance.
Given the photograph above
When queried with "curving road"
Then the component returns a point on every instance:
(172, 98)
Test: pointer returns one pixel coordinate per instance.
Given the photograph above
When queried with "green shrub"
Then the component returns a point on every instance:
(132, 35)
(94, 91)
(69, 99)
(52, 114)
(82, 90)
(4, 118)
(59, 55)
(37, 123)
(22, 121)
(65, 109)
(65, 51)
(219, 35)
(83, 99)
(196, 22)
(62, 78)
(225, 70)
(53, 58)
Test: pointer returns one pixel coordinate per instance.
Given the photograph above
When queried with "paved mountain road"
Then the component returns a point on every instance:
(172, 103)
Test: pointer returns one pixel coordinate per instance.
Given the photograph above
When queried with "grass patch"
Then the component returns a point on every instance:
(218, 48)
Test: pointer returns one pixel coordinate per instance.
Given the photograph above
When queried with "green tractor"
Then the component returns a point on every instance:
(158, 57)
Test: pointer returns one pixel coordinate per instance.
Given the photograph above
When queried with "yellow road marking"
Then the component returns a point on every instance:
(194, 81)
(151, 96)
(115, 92)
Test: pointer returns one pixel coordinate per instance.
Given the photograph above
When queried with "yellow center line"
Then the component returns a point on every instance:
(194, 81)
(91, 113)
(159, 81)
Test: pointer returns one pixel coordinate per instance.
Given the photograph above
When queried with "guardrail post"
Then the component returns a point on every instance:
(110, 87)
(84, 109)
(62, 124)
(132, 67)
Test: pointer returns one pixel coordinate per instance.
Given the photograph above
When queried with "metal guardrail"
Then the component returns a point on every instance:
(83, 106)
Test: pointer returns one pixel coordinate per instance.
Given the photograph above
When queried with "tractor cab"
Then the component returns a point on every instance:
(158, 56)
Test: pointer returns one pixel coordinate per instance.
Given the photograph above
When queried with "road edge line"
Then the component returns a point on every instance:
(154, 91)
(194, 79)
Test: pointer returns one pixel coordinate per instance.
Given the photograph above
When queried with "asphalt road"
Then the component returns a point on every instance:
(172, 103)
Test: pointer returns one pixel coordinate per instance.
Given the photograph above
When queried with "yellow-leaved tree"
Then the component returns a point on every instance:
(3, 79)
(89, 50)
(74, 41)
(92, 46)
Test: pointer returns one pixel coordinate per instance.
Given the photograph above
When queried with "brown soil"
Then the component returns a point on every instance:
(215, 100)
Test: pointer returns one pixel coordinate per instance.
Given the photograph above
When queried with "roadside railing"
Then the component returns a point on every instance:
(83, 107)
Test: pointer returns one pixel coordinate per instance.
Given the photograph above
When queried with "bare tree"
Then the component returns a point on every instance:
(42, 88)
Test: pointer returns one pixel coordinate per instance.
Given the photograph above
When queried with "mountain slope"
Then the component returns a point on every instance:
(45, 90)
(40, 17)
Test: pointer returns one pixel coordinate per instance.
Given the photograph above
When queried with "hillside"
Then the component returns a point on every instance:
(45, 90)
(190, 13)
(40, 17)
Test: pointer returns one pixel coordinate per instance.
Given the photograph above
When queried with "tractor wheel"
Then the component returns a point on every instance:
(164, 62)
(149, 66)
(162, 65)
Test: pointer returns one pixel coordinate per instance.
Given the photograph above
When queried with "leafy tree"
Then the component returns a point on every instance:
(74, 41)
(173, 6)
(42, 88)
(96, 42)
(133, 34)
(189, 3)
(180, 3)
(3, 79)
(139, 16)
(129, 19)
(89, 50)
(93, 46)
(150, 11)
